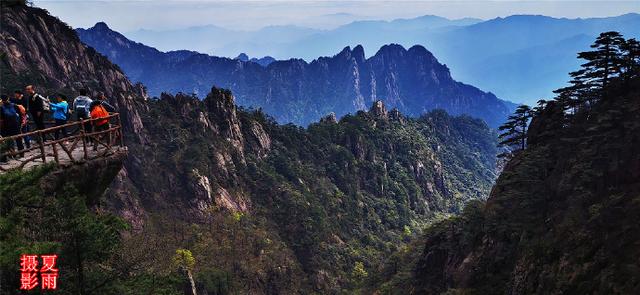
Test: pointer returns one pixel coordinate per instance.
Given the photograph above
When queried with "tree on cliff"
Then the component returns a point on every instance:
(605, 62)
(16, 2)
(514, 132)
(631, 58)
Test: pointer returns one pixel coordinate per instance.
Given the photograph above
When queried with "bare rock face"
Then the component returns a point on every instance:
(330, 118)
(205, 197)
(201, 187)
(378, 110)
(124, 201)
(224, 164)
(221, 106)
(262, 139)
(91, 177)
(396, 116)
(225, 200)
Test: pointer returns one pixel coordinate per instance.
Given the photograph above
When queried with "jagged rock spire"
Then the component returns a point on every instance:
(378, 109)
(330, 118)
(396, 115)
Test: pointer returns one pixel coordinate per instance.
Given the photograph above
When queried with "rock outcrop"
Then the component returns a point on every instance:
(91, 177)
(220, 104)
(378, 110)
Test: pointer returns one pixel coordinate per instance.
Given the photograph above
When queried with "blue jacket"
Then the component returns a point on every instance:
(60, 110)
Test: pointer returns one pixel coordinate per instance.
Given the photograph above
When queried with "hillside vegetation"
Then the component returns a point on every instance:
(324, 201)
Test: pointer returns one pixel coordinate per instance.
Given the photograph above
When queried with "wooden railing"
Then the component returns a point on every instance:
(79, 144)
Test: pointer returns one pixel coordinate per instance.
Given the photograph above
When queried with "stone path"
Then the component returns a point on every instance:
(33, 158)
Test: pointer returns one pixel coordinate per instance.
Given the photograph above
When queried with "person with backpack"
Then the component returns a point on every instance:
(60, 114)
(99, 111)
(19, 99)
(100, 119)
(38, 105)
(22, 104)
(9, 122)
(81, 106)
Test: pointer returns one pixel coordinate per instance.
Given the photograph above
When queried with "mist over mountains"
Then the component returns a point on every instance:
(521, 58)
(411, 80)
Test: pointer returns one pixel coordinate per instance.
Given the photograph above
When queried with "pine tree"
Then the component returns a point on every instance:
(612, 57)
(630, 58)
(16, 3)
(541, 105)
(603, 63)
(514, 131)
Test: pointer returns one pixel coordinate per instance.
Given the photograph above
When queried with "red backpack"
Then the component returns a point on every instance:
(99, 112)
(23, 114)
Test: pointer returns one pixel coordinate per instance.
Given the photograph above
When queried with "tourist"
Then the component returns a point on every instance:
(102, 98)
(60, 110)
(81, 105)
(23, 104)
(9, 124)
(38, 105)
(100, 119)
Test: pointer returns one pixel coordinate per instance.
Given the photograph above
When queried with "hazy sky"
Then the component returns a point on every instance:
(131, 15)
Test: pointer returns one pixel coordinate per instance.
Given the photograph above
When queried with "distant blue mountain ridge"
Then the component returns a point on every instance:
(521, 58)
(295, 91)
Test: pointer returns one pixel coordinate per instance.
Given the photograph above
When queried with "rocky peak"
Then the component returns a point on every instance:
(391, 50)
(378, 110)
(220, 104)
(345, 53)
(101, 26)
(396, 116)
(242, 57)
(358, 53)
(264, 61)
(329, 119)
(420, 50)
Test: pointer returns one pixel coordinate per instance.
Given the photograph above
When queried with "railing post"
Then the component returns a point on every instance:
(120, 130)
(4, 154)
(55, 152)
(41, 142)
(84, 140)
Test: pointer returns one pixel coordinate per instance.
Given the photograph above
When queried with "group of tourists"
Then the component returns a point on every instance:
(23, 109)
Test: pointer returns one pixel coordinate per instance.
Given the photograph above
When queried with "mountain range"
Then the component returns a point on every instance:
(521, 58)
(274, 40)
(297, 91)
